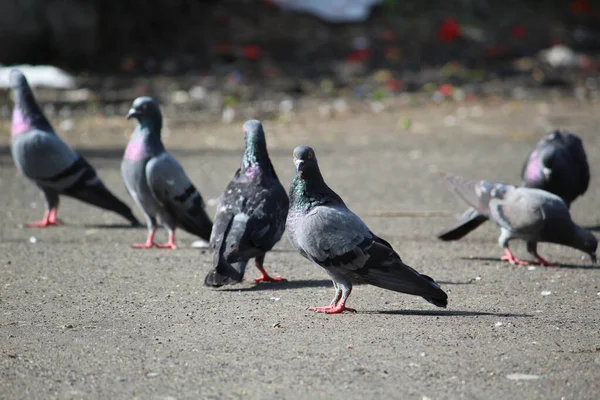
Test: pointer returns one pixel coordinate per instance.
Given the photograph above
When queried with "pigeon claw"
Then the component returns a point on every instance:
(265, 277)
(512, 259)
(49, 220)
(169, 245)
(545, 263)
(332, 309)
(147, 245)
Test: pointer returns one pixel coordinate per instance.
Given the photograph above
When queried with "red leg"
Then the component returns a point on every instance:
(264, 277)
(170, 244)
(337, 306)
(340, 308)
(512, 259)
(49, 219)
(149, 241)
(540, 261)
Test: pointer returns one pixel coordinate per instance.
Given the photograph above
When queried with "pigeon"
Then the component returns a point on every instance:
(322, 229)
(557, 164)
(157, 182)
(533, 215)
(50, 163)
(250, 216)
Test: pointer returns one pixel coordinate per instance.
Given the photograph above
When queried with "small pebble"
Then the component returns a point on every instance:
(152, 374)
(546, 292)
(33, 239)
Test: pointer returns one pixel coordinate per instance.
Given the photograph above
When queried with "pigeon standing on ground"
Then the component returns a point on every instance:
(50, 163)
(557, 164)
(250, 216)
(325, 231)
(157, 182)
(533, 215)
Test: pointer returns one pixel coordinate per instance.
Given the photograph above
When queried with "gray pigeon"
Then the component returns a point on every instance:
(325, 231)
(557, 164)
(157, 182)
(251, 214)
(533, 215)
(50, 163)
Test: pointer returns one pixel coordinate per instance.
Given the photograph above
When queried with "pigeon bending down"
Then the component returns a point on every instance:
(557, 164)
(157, 182)
(50, 163)
(533, 215)
(250, 216)
(325, 231)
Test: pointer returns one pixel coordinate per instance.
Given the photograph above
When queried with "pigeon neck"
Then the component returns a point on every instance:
(255, 155)
(150, 133)
(309, 189)
(27, 113)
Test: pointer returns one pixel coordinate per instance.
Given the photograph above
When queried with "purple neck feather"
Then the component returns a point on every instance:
(533, 172)
(253, 170)
(19, 123)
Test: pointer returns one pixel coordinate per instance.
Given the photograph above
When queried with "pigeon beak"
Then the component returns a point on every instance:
(132, 113)
(299, 164)
(593, 257)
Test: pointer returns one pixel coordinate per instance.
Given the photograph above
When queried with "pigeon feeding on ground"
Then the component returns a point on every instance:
(325, 231)
(557, 164)
(157, 182)
(532, 215)
(250, 216)
(50, 163)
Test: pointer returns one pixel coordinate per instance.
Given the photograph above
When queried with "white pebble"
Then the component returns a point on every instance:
(531, 268)
(546, 292)
(522, 377)
(498, 324)
(33, 239)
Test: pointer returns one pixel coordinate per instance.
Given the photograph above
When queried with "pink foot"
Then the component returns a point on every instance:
(332, 309)
(170, 244)
(264, 277)
(540, 261)
(512, 259)
(49, 220)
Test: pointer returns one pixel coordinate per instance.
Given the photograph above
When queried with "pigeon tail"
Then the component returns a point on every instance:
(466, 223)
(438, 297)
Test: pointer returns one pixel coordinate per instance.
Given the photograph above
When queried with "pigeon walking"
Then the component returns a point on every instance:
(325, 231)
(250, 216)
(50, 163)
(157, 182)
(557, 164)
(532, 215)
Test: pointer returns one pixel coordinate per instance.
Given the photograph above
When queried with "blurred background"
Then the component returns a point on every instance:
(228, 60)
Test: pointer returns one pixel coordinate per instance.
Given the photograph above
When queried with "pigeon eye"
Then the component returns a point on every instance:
(310, 155)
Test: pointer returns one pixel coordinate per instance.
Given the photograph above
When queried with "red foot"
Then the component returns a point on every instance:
(170, 244)
(332, 309)
(264, 277)
(512, 259)
(49, 220)
(540, 261)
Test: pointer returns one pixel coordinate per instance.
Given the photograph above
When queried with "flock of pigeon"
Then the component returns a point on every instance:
(254, 209)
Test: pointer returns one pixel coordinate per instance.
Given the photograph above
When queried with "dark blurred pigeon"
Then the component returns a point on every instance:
(325, 231)
(250, 216)
(532, 215)
(157, 182)
(55, 168)
(557, 164)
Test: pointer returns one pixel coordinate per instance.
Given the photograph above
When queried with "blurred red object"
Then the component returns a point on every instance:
(358, 56)
(221, 47)
(446, 89)
(388, 35)
(449, 30)
(519, 31)
(495, 50)
(251, 52)
(581, 7)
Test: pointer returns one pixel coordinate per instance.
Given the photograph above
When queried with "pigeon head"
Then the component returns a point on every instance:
(146, 111)
(255, 151)
(27, 112)
(305, 160)
(586, 242)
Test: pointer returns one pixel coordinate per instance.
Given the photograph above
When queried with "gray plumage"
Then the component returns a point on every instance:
(49, 162)
(558, 164)
(325, 231)
(532, 215)
(251, 214)
(156, 180)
